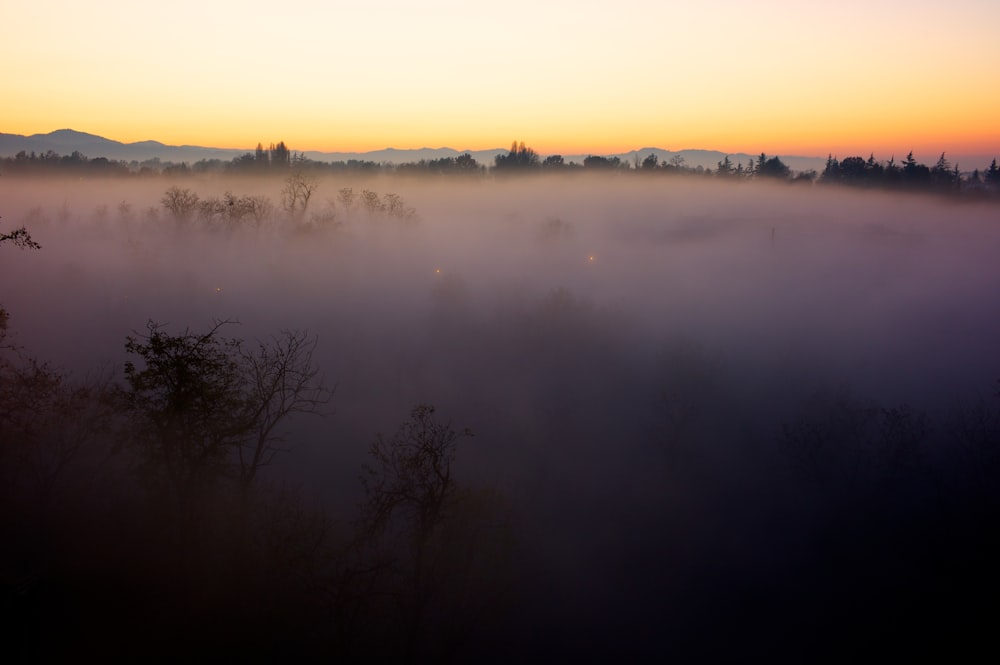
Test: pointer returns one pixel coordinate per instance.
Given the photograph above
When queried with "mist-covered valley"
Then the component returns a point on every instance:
(710, 420)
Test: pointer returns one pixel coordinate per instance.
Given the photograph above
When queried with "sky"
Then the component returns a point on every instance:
(564, 76)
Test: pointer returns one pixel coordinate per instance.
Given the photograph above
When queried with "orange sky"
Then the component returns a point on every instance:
(570, 77)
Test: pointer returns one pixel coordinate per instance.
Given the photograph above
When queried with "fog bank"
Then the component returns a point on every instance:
(626, 351)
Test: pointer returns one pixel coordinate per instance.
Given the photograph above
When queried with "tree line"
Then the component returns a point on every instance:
(856, 171)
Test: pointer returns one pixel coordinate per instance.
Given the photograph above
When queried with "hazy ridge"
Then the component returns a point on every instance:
(65, 141)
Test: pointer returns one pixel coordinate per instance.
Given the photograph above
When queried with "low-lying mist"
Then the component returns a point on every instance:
(642, 363)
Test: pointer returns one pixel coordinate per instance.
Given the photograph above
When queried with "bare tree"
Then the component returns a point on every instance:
(260, 208)
(371, 201)
(299, 188)
(346, 198)
(180, 203)
(282, 381)
(212, 212)
(394, 206)
(432, 548)
(412, 473)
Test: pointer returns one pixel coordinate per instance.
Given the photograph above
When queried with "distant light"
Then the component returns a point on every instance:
(590, 258)
(437, 270)
(218, 289)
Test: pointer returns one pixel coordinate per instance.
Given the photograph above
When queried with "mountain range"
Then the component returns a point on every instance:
(66, 141)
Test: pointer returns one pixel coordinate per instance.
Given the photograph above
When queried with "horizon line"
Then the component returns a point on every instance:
(830, 153)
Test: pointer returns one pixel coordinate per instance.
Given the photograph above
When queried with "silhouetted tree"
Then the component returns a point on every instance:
(519, 157)
(677, 163)
(299, 188)
(599, 162)
(411, 493)
(280, 155)
(992, 175)
(371, 201)
(554, 162)
(772, 168)
(874, 170)
(202, 410)
(345, 196)
(853, 170)
(914, 174)
(282, 381)
(943, 176)
(725, 168)
(466, 162)
(831, 172)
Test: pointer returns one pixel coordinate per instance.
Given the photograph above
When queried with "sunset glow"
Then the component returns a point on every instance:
(567, 77)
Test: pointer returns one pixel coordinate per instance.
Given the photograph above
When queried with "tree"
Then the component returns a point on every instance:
(180, 203)
(944, 177)
(725, 168)
(282, 381)
(599, 162)
(299, 188)
(853, 169)
(915, 174)
(412, 474)
(760, 164)
(831, 172)
(280, 156)
(554, 162)
(346, 198)
(411, 494)
(187, 408)
(467, 163)
(772, 168)
(992, 175)
(259, 207)
(202, 410)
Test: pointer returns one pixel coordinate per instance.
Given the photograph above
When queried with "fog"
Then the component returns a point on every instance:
(627, 351)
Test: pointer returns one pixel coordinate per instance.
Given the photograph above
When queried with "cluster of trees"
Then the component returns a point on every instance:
(75, 163)
(910, 174)
(942, 177)
(765, 167)
(140, 505)
(230, 211)
(274, 158)
(519, 157)
(856, 171)
(463, 164)
(277, 158)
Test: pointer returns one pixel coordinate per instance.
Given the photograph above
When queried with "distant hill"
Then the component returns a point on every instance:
(66, 141)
